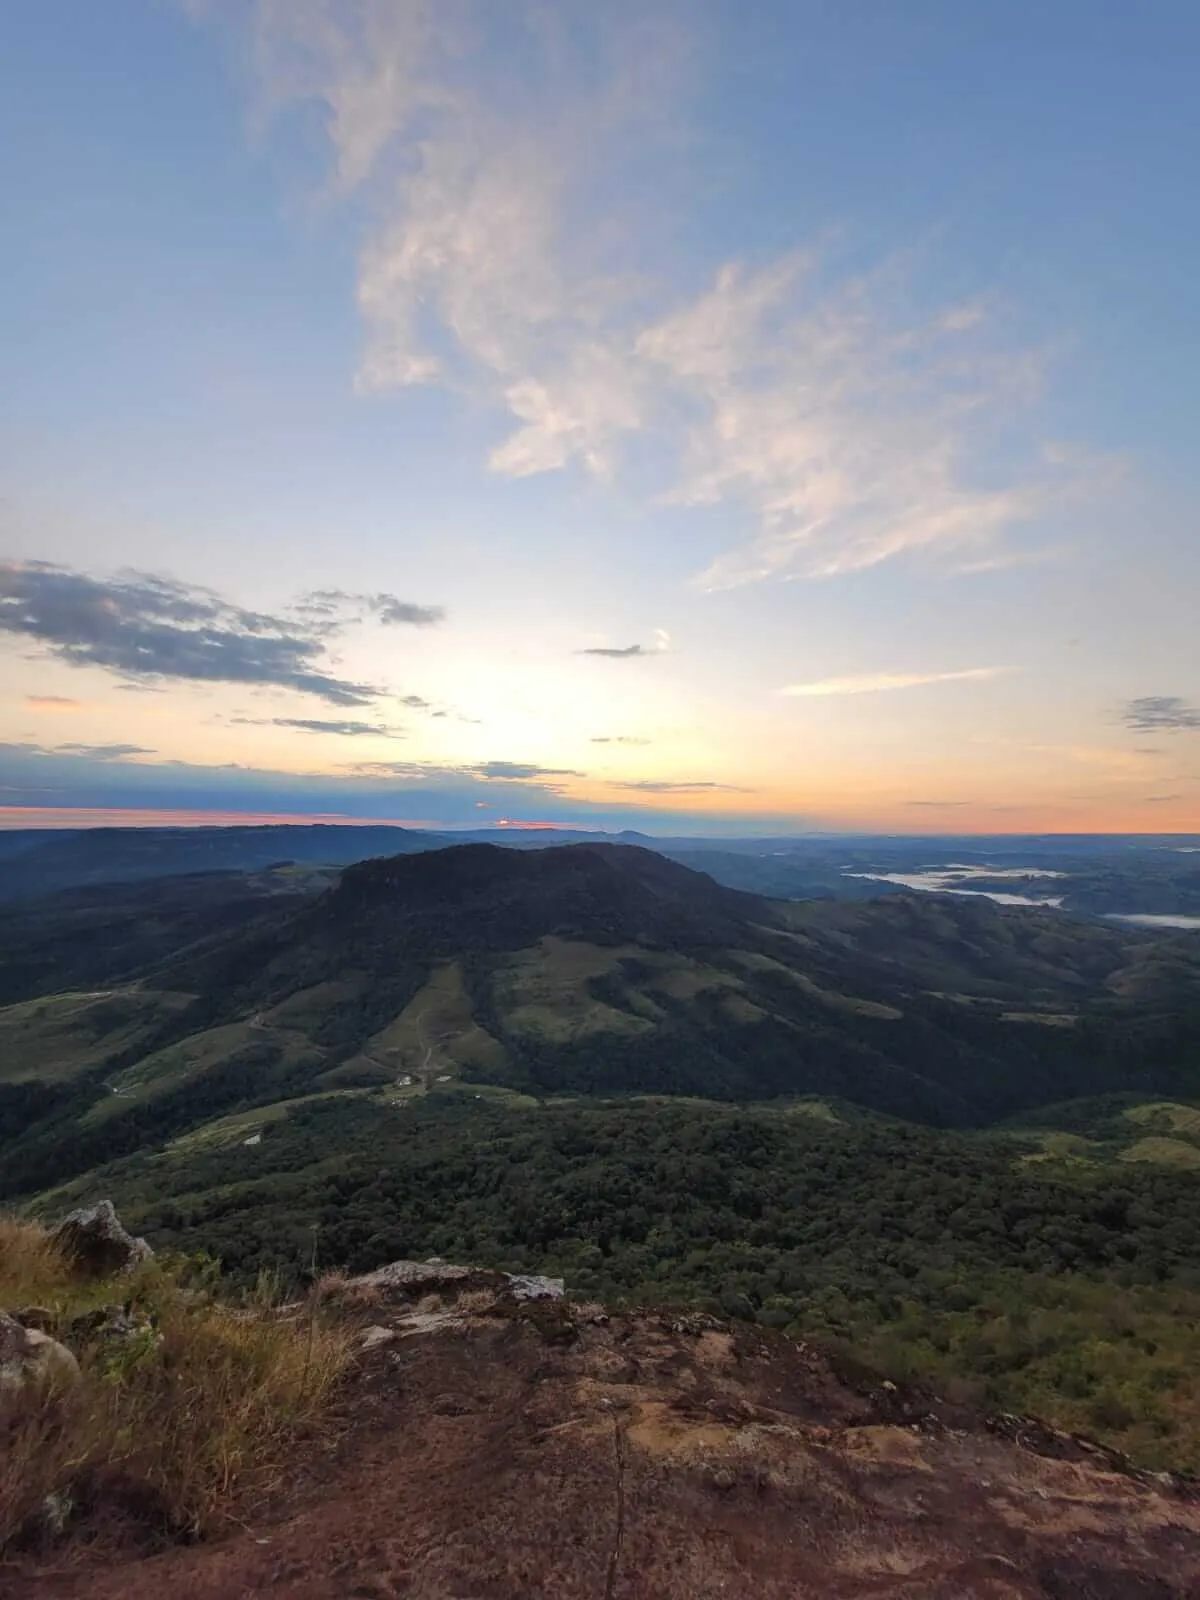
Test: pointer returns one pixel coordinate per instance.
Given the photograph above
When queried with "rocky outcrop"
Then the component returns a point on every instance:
(404, 1279)
(662, 1457)
(31, 1362)
(95, 1240)
(411, 1279)
(531, 1286)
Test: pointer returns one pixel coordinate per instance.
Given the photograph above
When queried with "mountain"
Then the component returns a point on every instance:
(39, 861)
(585, 969)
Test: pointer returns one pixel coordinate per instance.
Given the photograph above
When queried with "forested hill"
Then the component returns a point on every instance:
(588, 969)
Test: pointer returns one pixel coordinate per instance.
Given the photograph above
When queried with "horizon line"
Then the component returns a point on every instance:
(61, 819)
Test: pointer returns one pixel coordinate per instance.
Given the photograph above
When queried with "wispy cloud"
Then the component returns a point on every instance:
(1156, 712)
(1007, 560)
(395, 613)
(840, 415)
(148, 628)
(335, 608)
(662, 643)
(103, 752)
(92, 752)
(520, 771)
(487, 771)
(883, 682)
(617, 738)
(345, 729)
(665, 786)
(52, 702)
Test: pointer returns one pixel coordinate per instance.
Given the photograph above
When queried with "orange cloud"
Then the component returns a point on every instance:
(52, 702)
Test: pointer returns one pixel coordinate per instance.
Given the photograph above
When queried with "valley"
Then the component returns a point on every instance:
(958, 1137)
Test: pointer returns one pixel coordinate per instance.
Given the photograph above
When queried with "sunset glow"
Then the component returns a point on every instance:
(675, 419)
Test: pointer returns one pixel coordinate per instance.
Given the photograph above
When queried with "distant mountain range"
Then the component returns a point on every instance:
(1089, 875)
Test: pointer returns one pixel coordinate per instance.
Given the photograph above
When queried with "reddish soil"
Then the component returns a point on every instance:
(551, 1452)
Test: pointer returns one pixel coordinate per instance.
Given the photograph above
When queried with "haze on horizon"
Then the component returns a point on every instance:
(687, 416)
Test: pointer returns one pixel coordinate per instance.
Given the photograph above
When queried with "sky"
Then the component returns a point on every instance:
(689, 415)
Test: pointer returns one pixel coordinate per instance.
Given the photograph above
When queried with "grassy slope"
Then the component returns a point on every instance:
(61, 1036)
(580, 971)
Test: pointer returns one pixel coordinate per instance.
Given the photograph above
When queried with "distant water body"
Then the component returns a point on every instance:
(948, 879)
(1146, 920)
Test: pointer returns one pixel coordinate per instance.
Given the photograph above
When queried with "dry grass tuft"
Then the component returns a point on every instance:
(44, 1447)
(218, 1402)
(32, 1268)
(197, 1407)
(342, 1290)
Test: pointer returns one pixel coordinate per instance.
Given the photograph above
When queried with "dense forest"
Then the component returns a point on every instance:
(958, 1259)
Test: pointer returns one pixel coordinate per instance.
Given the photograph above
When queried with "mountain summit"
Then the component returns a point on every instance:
(582, 968)
(483, 892)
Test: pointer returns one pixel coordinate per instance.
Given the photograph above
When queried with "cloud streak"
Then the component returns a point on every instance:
(484, 771)
(345, 729)
(665, 786)
(1156, 712)
(148, 628)
(103, 752)
(834, 412)
(333, 609)
(886, 682)
(629, 652)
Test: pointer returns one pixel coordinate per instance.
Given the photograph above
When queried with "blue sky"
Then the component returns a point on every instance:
(692, 416)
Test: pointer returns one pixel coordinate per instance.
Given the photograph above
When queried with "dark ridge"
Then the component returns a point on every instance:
(520, 896)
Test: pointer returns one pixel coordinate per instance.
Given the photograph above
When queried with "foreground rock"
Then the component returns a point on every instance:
(409, 1279)
(668, 1458)
(95, 1240)
(32, 1363)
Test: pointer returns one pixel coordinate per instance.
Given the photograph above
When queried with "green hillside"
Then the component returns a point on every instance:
(944, 1256)
(587, 969)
